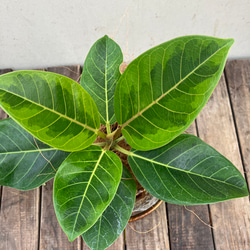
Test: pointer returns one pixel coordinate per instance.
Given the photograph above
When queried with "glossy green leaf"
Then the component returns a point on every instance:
(187, 171)
(163, 90)
(25, 162)
(115, 218)
(100, 74)
(84, 186)
(52, 107)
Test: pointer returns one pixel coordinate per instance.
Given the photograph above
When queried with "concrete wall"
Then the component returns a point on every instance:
(41, 33)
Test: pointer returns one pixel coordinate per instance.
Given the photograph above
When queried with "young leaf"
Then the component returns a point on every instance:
(163, 90)
(25, 162)
(84, 186)
(100, 75)
(186, 172)
(115, 218)
(52, 107)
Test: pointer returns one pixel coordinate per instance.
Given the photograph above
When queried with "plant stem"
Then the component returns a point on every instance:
(101, 134)
(100, 144)
(108, 128)
(109, 136)
(119, 139)
(122, 150)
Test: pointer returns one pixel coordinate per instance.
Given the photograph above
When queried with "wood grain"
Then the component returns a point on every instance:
(216, 127)
(19, 219)
(51, 234)
(186, 230)
(238, 79)
(155, 239)
(73, 71)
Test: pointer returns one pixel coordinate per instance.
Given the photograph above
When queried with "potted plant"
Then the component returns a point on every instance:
(54, 132)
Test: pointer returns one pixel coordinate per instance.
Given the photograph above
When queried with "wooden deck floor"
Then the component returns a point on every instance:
(28, 221)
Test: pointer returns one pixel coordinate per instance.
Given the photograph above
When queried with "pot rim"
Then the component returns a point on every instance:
(146, 212)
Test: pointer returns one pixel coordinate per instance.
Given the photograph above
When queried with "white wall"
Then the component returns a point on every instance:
(41, 33)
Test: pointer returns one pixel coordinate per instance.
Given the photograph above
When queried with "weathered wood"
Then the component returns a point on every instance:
(186, 231)
(19, 216)
(19, 219)
(51, 234)
(73, 72)
(238, 79)
(215, 125)
(155, 239)
(3, 115)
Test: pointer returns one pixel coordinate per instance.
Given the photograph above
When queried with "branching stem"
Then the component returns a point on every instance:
(119, 139)
(111, 135)
(108, 128)
(102, 135)
(100, 144)
(122, 150)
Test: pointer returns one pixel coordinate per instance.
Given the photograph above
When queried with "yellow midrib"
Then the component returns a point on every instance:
(86, 189)
(132, 154)
(53, 111)
(175, 86)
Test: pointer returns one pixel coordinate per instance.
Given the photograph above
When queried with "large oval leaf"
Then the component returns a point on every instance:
(25, 163)
(52, 107)
(115, 218)
(84, 186)
(100, 75)
(186, 172)
(163, 90)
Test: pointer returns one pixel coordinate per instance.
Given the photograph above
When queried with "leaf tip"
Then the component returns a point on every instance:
(230, 41)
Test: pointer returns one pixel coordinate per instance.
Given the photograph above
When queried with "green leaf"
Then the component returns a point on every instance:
(163, 90)
(186, 172)
(25, 162)
(84, 186)
(52, 107)
(115, 218)
(100, 74)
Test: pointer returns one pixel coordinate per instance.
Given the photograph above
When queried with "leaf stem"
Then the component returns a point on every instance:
(119, 139)
(108, 128)
(100, 144)
(111, 135)
(101, 134)
(122, 150)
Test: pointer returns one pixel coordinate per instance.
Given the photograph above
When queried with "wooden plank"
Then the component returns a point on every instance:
(186, 230)
(19, 217)
(215, 125)
(238, 79)
(51, 234)
(73, 71)
(154, 239)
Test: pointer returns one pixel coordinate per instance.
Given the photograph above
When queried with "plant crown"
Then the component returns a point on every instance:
(54, 123)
